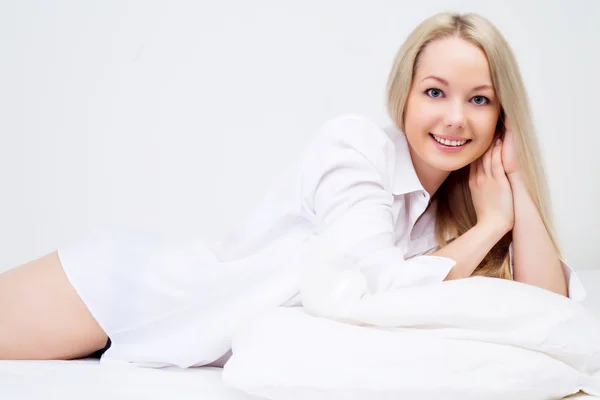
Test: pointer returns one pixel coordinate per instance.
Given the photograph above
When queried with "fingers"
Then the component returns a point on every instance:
(476, 173)
(490, 164)
(473, 170)
(507, 125)
(487, 160)
(497, 166)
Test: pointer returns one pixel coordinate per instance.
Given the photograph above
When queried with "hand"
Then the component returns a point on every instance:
(491, 191)
(509, 151)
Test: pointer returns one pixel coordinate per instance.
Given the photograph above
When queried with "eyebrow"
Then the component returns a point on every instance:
(445, 82)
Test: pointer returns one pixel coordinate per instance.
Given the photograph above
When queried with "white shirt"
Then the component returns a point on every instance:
(356, 188)
(354, 194)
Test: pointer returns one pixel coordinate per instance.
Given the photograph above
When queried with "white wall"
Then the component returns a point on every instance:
(174, 116)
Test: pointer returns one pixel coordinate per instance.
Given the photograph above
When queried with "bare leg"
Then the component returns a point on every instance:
(41, 315)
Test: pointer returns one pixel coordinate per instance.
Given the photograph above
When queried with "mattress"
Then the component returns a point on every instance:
(89, 379)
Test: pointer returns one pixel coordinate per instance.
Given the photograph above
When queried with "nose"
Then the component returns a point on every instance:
(455, 115)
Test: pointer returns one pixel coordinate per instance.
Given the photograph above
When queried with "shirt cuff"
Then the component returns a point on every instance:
(388, 270)
(331, 284)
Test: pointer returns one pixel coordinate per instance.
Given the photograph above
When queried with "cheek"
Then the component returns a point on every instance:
(419, 117)
(484, 124)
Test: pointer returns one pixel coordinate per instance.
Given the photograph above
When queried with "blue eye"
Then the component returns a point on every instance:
(433, 92)
(480, 100)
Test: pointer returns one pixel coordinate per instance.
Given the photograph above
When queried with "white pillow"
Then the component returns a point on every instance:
(476, 338)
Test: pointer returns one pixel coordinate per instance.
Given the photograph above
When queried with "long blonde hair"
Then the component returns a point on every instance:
(455, 212)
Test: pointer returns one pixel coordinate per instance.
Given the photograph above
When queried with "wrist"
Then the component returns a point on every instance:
(516, 179)
(518, 185)
(495, 230)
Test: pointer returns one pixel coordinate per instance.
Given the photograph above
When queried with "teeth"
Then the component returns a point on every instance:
(447, 142)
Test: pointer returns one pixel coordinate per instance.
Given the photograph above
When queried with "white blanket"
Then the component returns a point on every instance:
(476, 338)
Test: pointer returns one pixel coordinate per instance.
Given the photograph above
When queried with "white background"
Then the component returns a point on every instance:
(175, 116)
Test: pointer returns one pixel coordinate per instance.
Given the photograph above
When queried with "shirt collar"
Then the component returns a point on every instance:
(405, 179)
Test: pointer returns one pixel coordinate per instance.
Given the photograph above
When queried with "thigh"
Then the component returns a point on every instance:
(41, 315)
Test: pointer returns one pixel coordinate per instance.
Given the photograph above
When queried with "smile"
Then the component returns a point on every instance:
(450, 143)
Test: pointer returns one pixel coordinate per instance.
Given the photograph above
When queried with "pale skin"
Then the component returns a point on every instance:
(57, 326)
(535, 259)
(42, 316)
(453, 93)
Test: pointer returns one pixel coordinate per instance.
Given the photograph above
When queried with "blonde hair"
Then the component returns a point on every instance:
(456, 214)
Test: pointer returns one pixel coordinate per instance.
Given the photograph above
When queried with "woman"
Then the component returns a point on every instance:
(450, 190)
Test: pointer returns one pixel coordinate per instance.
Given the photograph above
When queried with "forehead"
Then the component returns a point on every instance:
(455, 60)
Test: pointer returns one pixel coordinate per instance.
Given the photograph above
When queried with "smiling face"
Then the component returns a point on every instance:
(451, 111)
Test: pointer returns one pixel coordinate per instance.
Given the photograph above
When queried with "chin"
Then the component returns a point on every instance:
(447, 165)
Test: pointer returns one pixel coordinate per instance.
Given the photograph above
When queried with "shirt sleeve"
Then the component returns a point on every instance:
(346, 192)
(574, 285)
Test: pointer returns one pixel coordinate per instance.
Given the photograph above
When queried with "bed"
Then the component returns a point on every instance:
(87, 378)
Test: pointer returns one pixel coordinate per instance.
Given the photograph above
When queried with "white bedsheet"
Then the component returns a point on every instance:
(20, 380)
(88, 379)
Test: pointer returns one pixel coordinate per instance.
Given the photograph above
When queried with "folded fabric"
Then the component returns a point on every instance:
(475, 338)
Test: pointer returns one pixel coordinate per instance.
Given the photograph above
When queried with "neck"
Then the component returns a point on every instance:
(430, 178)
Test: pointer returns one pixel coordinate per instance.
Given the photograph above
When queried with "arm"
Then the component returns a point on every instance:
(347, 196)
(469, 249)
(535, 260)
(493, 202)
